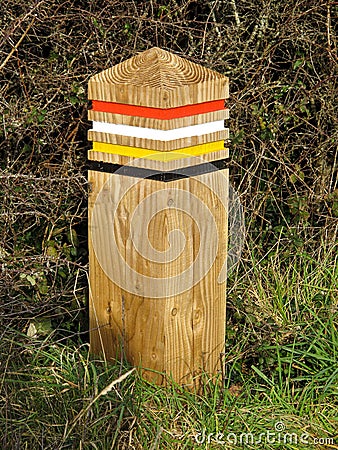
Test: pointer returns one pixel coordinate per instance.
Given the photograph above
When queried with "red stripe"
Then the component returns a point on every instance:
(158, 113)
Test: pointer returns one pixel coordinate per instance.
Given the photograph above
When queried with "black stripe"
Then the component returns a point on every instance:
(171, 175)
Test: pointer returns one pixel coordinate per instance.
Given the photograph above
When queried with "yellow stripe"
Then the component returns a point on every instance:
(137, 152)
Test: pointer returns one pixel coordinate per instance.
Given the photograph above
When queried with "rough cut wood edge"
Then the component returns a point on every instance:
(160, 79)
(184, 161)
(157, 145)
(157, 98)
(157, 123)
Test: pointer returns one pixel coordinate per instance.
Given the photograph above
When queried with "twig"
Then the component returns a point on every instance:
(234, 7)
(328, 25)
(212, 13)
(16, 45)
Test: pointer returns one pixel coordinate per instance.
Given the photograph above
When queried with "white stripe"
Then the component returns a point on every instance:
(160, 135)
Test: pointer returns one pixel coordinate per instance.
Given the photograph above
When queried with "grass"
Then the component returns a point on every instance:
(279, 387)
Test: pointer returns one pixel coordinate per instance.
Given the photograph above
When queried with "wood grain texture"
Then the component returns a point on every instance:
(177, 161)
(152, 144)
(158, 124)
(105, 328)
(181, 333)
(160, 79)
(157, 251)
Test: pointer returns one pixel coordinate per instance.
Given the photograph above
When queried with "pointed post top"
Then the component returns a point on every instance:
(160, 79)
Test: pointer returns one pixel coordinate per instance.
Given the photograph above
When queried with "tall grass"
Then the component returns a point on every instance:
(280, 375)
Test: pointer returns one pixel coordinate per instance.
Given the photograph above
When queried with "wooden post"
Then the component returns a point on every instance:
(158, 215)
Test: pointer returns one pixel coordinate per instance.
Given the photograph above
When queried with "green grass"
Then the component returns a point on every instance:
(280, 370)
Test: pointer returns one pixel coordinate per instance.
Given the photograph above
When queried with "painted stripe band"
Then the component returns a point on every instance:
(158, 135)
(177, 174)
(137, 152)
(158, 113)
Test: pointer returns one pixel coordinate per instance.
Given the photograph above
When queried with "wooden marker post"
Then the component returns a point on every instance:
(158, 215)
